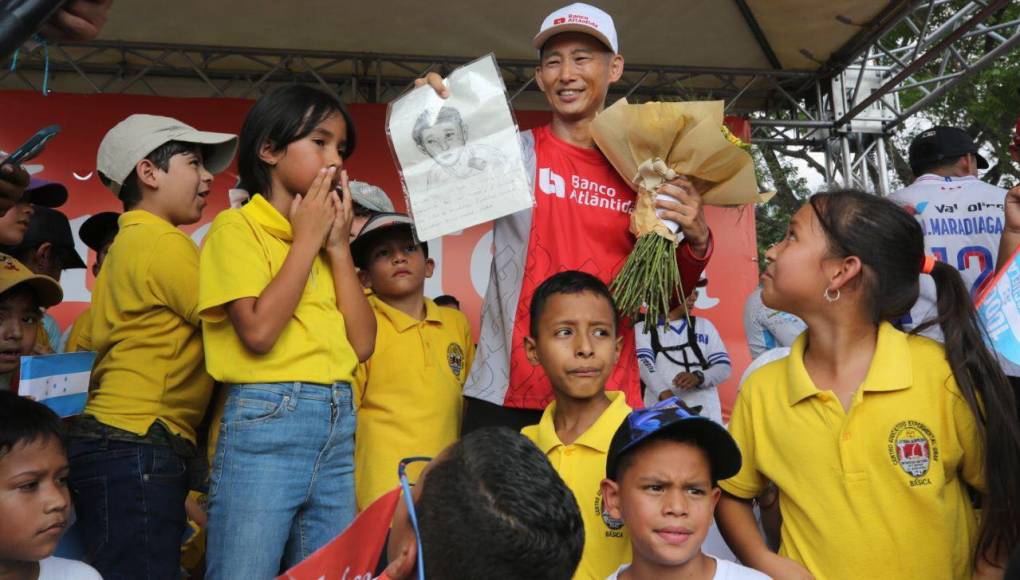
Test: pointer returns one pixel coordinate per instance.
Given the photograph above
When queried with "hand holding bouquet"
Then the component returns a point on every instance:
(651, 144)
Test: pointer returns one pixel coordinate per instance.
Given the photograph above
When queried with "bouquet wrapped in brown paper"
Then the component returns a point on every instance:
(648, 145)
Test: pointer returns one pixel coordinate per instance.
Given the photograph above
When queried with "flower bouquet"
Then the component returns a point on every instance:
(648, 145)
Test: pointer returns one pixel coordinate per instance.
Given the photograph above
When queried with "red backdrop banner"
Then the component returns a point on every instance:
(462, 261)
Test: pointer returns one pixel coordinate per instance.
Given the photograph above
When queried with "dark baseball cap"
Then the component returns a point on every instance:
(99, 229)
(49, 225)
(942, 143)
(45, 193)
(370, 232)
(671, 419)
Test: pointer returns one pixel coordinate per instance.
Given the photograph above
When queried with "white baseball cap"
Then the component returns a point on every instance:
(129, 141)
(370, 197)
(579, 17)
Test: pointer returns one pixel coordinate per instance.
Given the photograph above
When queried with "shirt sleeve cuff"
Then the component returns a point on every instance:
(735, 489)
(686, 254)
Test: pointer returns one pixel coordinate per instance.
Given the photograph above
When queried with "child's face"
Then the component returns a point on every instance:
(34, 500)
(296, 167)
(666, 501)
(14, 224)
(576, 344)
(397, 266)
(183, 188)
(19, 324)
(794, 276)
(690, 300)
(444, 142)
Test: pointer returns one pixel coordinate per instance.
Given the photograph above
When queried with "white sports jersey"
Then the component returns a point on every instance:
(766, 328)
(962, 219)
(659, 370)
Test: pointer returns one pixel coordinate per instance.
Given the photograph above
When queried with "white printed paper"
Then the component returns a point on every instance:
(459, 158)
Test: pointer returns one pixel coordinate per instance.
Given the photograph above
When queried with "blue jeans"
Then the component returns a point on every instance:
(129, 499)
(282, 478)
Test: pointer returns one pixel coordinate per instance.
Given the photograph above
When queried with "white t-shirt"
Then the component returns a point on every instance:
(724, 570)
(659, 369)
(54, 568)
(766, 328)
(765, 358)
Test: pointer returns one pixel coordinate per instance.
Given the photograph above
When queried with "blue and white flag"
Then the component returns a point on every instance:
(59, 381)
(999, 308)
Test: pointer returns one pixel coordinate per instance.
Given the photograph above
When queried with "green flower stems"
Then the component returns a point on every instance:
(649, 278)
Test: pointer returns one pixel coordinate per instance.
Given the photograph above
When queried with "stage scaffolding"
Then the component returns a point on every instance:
(844, 110)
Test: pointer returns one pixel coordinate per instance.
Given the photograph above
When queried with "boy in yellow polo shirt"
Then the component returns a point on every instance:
(130, 449)
(574, 337)
(97, 232)
(410, 390)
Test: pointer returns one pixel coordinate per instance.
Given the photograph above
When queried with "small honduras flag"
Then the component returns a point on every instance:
(59, 381)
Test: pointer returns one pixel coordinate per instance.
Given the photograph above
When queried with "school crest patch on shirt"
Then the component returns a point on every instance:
(8, 262)
(455, 358)
(913, 447)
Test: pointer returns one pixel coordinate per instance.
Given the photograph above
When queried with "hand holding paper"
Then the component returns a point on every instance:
(459, 157)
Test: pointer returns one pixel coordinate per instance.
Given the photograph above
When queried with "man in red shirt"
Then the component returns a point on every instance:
(580, 221)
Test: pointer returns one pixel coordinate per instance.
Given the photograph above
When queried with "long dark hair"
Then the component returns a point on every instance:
(890, 245)
(287, 114)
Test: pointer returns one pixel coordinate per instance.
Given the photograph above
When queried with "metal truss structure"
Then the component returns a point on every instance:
(845, 110)
(857, 106)
(217, 71)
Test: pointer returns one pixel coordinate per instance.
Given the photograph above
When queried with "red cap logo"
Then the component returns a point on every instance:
(559, 21)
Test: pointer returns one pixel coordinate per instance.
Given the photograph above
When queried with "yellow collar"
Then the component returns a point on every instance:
(400, 319)
(597, 437)
(890, 368)
(263, 213)
(140, 216)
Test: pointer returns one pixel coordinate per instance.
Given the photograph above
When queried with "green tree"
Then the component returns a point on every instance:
(986, 104)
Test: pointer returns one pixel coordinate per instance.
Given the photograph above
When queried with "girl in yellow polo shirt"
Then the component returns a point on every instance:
(875, 438)
(285, 323)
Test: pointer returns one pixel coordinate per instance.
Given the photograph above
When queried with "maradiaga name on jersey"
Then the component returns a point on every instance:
(948, 225)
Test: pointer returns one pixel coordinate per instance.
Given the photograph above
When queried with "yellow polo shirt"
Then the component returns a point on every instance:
(74, 339)
(582, 465)
(243, 252)
(42, 338)
(145, 331)
(410, 392)
(873, 492)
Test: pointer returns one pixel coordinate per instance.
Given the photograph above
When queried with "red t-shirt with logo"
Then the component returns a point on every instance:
(580, 222)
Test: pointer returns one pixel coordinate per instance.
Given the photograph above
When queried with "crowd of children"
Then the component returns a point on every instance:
(293, 369)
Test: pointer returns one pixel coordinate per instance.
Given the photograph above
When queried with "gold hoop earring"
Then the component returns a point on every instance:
(829, 297)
